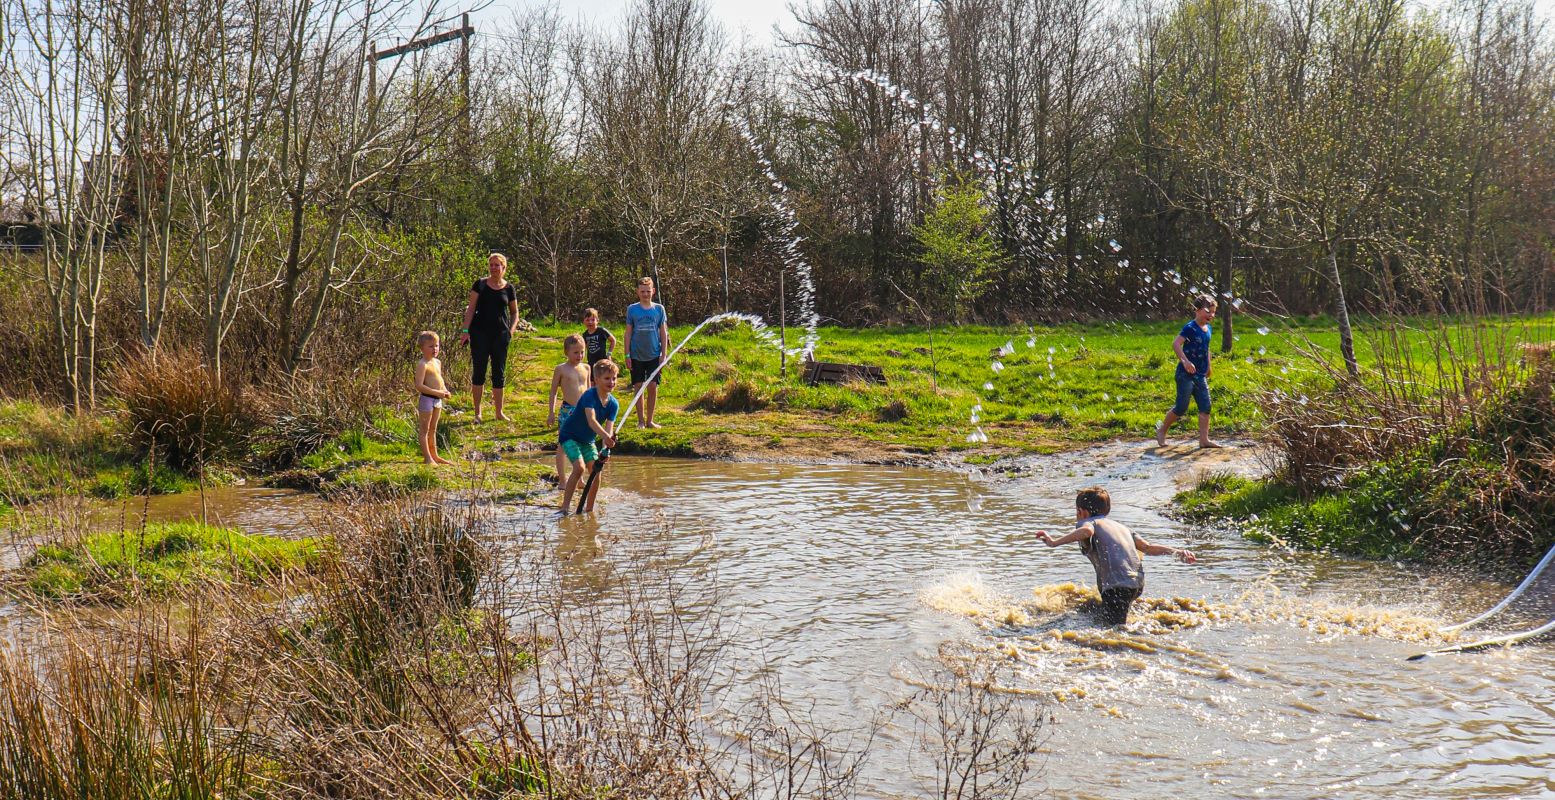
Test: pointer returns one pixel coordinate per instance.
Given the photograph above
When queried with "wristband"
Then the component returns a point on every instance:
(464, 330)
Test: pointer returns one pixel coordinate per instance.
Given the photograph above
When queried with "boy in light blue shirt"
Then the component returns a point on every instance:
(647, 340)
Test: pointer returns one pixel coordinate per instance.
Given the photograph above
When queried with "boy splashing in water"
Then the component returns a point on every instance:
(1114, 551)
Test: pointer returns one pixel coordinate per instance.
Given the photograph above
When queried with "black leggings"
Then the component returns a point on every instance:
(495, 347)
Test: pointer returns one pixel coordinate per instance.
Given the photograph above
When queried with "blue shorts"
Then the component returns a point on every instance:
(1191, 385)
(563, 414)
(576, 450)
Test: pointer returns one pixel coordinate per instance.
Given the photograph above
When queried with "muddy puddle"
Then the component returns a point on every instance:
(1257, 673)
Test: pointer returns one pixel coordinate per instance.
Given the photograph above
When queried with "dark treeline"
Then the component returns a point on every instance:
(240, 176)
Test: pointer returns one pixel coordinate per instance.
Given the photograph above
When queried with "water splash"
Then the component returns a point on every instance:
(793, 257)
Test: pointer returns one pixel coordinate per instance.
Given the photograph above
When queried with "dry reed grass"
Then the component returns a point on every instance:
(430, 657)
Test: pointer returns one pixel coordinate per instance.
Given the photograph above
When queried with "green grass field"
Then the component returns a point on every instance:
(1062, 386)
(724, 395)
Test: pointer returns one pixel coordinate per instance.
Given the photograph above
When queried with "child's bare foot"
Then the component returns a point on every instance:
(478, 419)
(429, 462)
(441, 460)
(1160, 434)
(502, 416)
(1209, 445)
(654, 425)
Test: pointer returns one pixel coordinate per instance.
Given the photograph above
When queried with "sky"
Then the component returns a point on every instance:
(755, 17)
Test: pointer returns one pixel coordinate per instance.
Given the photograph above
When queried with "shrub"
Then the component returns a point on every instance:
(737, 395)
(179, 411)
(894, 411)
(1482, 485)
(305, 416)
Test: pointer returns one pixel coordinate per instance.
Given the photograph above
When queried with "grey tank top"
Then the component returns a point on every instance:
(1111, 551)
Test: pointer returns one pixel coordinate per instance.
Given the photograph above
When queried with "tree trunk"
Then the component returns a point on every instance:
(1342, 312)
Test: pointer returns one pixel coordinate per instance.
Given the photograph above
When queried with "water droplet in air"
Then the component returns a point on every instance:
(1261, 351)
(1263, 331)
(996, 366)
(988, 387)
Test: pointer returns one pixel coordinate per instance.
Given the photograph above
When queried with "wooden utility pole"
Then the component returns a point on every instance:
(782, 324)
(463, 33)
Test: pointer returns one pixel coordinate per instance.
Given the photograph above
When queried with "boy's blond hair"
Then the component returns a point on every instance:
(591, 312)
(1204, 301)
(646, 281)
(571, 339)
(1094, 501)
(426, 336)
(605, 366)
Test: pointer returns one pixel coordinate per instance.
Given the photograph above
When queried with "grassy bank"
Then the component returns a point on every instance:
(725, 393)
(1480, 487)
(45, 452)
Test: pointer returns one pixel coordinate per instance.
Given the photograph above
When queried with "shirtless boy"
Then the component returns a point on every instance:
(432, 391)
(571, 379)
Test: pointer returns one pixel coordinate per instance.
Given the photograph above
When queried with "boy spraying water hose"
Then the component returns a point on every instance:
(1114, 551)
(594, 417)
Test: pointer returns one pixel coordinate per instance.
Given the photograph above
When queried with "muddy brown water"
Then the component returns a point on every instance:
(1260, 672)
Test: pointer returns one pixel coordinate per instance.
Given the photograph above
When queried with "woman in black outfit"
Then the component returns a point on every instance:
(490, 320)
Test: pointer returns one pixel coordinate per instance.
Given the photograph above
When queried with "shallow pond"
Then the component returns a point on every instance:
(1257, 673)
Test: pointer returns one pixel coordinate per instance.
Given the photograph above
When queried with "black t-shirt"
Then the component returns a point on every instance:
(597, 343)
(491, 307)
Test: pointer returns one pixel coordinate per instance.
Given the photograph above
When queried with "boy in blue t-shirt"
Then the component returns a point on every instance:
(647, 340)
(1193, 370)
(594, 415)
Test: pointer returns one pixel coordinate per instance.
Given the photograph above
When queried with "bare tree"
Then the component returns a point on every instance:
(59, 82)
(340, 135)
(237, 69)
(654, 98)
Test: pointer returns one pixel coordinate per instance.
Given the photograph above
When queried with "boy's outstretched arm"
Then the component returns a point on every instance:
(610, 348)
(1185, 556)
(1083, 532)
